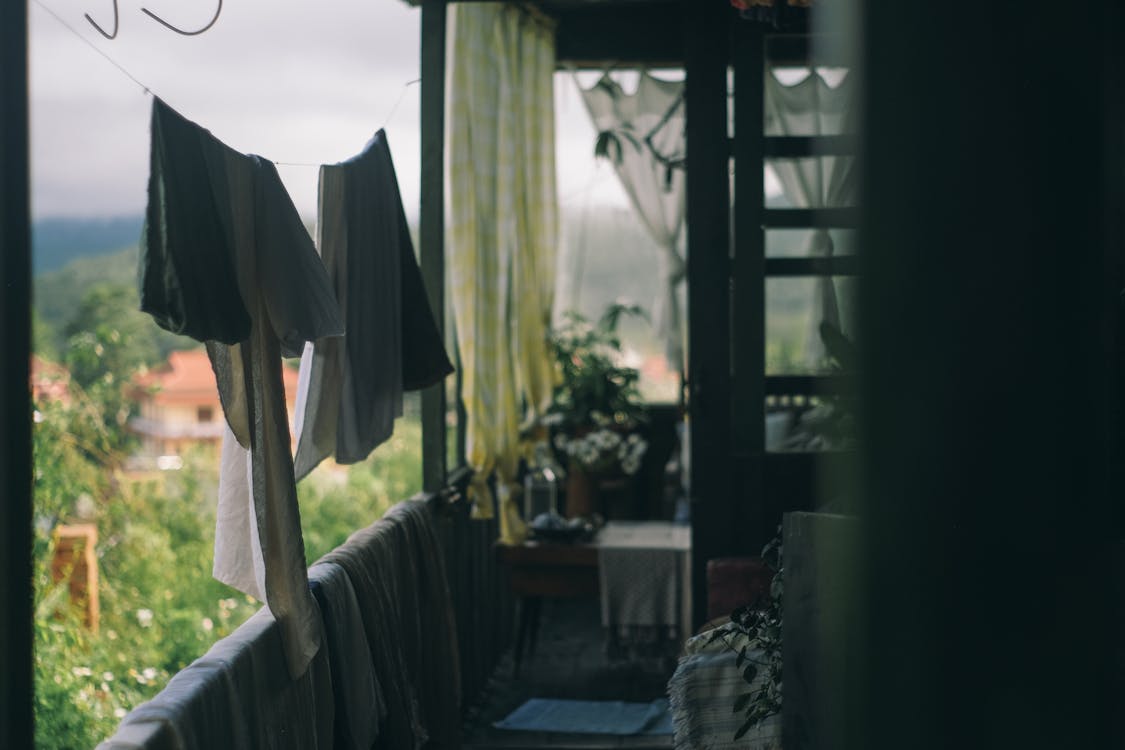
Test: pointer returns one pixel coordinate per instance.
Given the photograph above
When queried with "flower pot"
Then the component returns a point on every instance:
(581, 492)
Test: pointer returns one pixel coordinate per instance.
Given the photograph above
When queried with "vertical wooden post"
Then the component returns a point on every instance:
(708, 277)
(16, 684)
(748, 313)
(76, 560)
(432, 226)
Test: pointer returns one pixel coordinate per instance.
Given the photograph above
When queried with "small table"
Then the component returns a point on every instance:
(546, 569)
(570, 570)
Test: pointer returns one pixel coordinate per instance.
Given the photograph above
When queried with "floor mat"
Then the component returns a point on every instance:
(590, 717)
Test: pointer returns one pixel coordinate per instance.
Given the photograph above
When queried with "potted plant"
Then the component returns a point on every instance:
(596, 409)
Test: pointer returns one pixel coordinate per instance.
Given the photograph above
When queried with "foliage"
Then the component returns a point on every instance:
(335, 502)
(60, 296)
(755, 633)
(595, 405)
(160, 607)
(592, 385)
(107, 341)
(602, 449)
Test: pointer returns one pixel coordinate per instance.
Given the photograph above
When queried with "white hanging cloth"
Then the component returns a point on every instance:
(647, 130)
(812, 107)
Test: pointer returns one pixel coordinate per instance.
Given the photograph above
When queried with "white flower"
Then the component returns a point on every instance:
(144, 617)
(119, 713)
(207, 624)
(107, 676)
(82, 672)
(149, 673)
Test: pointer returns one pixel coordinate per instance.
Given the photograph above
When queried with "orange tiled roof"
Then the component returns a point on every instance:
(49, 380)
(43, 370)
(187, 378)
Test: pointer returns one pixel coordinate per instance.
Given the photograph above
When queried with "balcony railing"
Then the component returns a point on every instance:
(397, 672)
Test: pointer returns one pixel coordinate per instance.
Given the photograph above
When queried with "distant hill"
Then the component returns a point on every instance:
(57, 241)
(58, 293)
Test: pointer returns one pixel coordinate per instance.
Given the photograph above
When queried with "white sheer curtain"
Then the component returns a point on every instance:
(812, 107)
(648, 136)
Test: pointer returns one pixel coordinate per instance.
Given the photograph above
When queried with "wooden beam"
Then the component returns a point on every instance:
(807, 218)
(808, 385)
(802, 50)
(598, 37)
(749, 261)
(800, 146)
(714, 530)
(836, 265)
(16, 683)
(431, 228)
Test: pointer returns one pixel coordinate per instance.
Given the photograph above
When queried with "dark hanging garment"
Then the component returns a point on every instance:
(351, 390)
(227, 260)
(424, 359)
(187, 273)
(298, 293)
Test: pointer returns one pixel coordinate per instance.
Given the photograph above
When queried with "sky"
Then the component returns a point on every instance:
(296, 82)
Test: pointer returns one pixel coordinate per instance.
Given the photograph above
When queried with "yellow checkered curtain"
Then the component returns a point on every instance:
(502, 231)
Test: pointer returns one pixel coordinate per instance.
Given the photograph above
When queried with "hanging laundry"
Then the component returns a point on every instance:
(268, 265)
(188, 281)
(350, 390)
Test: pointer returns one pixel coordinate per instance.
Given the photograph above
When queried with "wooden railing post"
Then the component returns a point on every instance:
(16, 685)
(76, 560)
(432, 227)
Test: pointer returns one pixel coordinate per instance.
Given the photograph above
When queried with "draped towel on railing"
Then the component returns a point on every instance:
(388, 674)
(397, 569)
(238, 696)
(502, 233)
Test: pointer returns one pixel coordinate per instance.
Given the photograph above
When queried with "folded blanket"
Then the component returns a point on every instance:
(702, 694)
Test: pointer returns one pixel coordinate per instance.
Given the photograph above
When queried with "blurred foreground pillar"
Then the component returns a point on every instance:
(991, 311)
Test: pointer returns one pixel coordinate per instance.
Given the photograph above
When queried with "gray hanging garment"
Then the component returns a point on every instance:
(282, 288)
(350, 391)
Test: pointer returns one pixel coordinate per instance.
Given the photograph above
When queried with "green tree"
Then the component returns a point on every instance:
(107, 341)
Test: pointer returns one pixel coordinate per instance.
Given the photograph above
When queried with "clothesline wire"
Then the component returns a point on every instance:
(93, 46)
(150, 92)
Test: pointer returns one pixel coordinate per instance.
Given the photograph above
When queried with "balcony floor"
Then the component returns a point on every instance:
(569, 662)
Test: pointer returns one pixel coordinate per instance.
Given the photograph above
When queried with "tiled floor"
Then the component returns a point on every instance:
(569, 662)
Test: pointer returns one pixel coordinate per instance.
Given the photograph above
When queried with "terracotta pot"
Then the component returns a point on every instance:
(581, 492)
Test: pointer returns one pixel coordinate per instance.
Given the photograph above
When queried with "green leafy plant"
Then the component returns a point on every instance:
(596, 407)
(160, 606)
(593, 389)
(755, 633)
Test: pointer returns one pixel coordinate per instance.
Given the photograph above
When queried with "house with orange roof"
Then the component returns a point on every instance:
(49, 381)
(179, 404)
